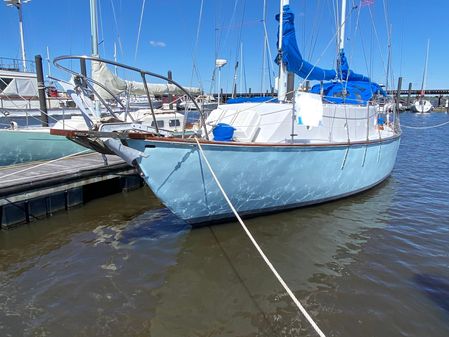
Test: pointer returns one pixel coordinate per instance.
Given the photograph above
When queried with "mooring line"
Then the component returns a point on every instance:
(262, 254)
(42, 164)
(424, 127)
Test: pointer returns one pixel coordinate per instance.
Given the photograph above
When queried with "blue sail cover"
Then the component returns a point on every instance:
(291, 56)
(347, 86)
(355, 92)
(348, 75)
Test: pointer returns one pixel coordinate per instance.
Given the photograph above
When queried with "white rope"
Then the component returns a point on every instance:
(42, 164)
(262, 254)
(424, 127)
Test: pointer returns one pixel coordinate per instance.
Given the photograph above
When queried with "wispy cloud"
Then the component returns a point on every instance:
(158, 44)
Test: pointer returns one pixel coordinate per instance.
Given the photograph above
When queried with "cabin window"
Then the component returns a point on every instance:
(174, 122)
(4, 83)
(160, 124)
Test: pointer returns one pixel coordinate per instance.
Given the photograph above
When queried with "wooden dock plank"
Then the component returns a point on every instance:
(32, 190)
(38, 171)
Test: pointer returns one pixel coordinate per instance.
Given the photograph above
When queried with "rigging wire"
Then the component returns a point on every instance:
(195, 48)
(238, 54)
(231, 22)
(117, 30)
(101, 27)
(140, 28)
(377, 39)
(315, 28)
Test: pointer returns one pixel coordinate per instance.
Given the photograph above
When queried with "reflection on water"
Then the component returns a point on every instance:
(375, 264)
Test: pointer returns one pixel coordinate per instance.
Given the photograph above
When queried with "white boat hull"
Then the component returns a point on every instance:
(422, 106)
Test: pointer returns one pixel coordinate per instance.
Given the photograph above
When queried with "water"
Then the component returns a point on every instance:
(375, 264)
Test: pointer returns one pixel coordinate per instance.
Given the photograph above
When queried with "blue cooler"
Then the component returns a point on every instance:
(223, 132)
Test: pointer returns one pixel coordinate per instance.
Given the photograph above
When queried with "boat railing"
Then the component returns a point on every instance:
(11, 64)
(89, 84)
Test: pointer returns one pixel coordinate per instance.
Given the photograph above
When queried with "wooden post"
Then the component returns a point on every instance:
(41, 90)
(170, 96)
(83, 71)
(409, 94)
(398, 93)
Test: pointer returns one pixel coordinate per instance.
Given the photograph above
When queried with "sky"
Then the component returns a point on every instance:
(174, 36)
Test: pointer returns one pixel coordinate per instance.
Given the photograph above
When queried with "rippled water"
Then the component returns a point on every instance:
(375, 264)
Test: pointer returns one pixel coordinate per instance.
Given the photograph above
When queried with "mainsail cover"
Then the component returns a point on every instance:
(292, 58)
(291, 55)
(101, 74)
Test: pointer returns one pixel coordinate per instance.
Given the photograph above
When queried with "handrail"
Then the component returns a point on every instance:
(142, 72)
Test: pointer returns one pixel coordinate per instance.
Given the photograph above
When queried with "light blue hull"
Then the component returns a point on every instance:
(259, 179)
(19, 146)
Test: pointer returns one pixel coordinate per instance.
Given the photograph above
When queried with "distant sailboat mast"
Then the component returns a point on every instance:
(424, 78)
(94, 27)
(18, 5)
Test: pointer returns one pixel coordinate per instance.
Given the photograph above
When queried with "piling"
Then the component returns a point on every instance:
(41, 90)
(409, 94)
(83, 71)
(398, 93)
(170, 96)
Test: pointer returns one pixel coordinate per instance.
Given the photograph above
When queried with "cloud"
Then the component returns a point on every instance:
(158, 44)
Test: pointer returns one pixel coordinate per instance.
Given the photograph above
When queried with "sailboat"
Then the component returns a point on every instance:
(422, 105)
(18, 98)
(326, 144)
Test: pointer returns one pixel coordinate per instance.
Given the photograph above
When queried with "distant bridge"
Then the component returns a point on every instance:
(427, 92)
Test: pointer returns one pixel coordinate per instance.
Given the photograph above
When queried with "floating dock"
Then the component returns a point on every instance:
(36, 190)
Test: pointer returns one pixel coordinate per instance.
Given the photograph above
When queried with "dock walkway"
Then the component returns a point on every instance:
(37, 189)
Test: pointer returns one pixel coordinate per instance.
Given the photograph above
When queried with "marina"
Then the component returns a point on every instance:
(370, 264)
(249, 169)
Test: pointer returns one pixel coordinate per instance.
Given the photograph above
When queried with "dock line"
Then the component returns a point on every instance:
(262, 254)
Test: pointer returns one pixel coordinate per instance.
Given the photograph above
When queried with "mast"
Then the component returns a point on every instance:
(424, 78)
(48, 62)
(241, 68)
(94, 27)
(18, 5)
(342, 24)
(282, 84)
(264, 18)
(115, 58)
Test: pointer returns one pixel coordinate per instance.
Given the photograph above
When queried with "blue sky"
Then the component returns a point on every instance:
(169, 30)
